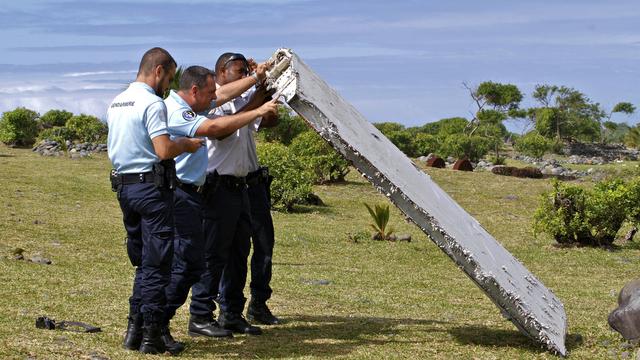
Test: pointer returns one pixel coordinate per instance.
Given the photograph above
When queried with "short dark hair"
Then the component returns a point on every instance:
(154, 57)
(227, 57)
(195, 75)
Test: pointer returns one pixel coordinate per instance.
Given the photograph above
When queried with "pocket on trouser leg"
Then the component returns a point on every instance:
(134, 251)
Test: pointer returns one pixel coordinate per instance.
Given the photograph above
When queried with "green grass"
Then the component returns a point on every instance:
(384, 299)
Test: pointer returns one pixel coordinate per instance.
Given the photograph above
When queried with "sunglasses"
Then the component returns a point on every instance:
(235, 57)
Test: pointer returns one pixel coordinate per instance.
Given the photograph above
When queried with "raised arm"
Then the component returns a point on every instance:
(221, 127)
(234, 89)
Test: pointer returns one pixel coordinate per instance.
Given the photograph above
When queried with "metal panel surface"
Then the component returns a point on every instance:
(521, 297)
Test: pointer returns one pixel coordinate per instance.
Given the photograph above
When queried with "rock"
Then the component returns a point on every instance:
(73, 151)
(404, 237)
(511, 197)
(557, 171)
(94, 355)
(38, 259)
(625, 355)
(315, 282)
(423, 159)
(626, 318)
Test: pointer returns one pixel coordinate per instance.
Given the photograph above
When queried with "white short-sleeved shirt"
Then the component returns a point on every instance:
(236, 154)
(182, 121)
(135, 116)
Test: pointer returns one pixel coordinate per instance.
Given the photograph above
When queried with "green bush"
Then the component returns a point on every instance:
(572, 214)
(87, 128)
(403, 139)
(56, 133)
(425, 144)
(19, 127)
(292, 180)
(533, 144)
(53, 118)
(320, 157)
(474, 147)
(289, 126)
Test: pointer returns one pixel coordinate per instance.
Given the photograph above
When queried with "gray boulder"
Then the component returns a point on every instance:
(626, 318)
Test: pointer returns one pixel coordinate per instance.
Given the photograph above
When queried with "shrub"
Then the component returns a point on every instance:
(533, 144)
(53, 118)
(19, 127)
(403, 140)
(87, 128)
(289, 126)
(474, 147)
(320, 157)
(497, 160)
(572, 214)
(292, 183)
(57, 133)
(424, 144)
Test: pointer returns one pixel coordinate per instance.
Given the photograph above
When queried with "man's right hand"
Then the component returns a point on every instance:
(270, 107)
(190, 145)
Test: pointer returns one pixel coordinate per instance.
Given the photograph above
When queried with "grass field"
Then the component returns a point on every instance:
(382, 300)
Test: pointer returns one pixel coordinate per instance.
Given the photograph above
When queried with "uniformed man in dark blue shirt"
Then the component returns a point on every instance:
(143, 176)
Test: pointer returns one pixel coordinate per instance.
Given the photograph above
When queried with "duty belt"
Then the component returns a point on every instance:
(233, 182)
(127, 179)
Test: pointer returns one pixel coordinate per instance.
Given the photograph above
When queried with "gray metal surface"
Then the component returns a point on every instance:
(533, 308)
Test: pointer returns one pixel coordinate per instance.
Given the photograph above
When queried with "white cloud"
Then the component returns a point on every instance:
(103, 72)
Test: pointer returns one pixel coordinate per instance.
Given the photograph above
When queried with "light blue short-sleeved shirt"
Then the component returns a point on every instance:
(182, 121)
(135, 116)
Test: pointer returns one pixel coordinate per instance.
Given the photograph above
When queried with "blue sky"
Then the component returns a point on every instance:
(402, 61)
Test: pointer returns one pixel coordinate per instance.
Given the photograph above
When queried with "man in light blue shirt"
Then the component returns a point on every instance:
(141, 151)
(197, 89)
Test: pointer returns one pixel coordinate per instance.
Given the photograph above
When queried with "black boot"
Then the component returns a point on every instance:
(206, 326)
(170, 344)
(133, 337)
(258, 311)
(152, 339)
(237, 323)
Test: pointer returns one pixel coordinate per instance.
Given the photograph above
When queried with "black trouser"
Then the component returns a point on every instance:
(262, 237)
(148, 218)
(227, 229)
(188, 245)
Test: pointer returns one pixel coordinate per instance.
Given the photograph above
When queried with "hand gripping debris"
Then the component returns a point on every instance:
(520, 296)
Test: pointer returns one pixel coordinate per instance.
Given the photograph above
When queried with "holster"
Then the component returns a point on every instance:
(210, 186)
(115, 180)
(164, 174)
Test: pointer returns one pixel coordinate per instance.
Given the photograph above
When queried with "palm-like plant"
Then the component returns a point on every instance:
(175, 83)
(380, 215)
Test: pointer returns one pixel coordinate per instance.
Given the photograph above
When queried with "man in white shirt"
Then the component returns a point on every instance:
(227, 211)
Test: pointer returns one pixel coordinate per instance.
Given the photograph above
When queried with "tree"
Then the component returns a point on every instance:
(496, 103)
(608, 126)
(566, 112)
(19, 127)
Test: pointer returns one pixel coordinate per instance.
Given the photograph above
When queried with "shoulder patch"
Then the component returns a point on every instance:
(188, 115)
